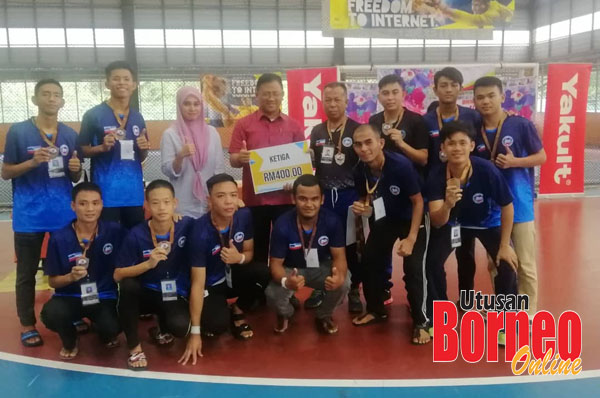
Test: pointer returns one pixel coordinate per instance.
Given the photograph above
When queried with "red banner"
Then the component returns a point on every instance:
(564, 128)
(305, 89)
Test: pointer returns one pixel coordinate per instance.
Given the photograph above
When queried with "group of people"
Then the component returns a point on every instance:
(433, 182)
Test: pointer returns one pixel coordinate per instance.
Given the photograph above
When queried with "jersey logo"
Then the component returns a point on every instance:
(107, 248)
(478, 198)
(181, 241)
(394, 190)
(238, 237)
(146, 253)
(136, 130)
(109, 129)
(64, 150)
(295, 246)
(347, 142)
(320, 142)
(507, 141)
(323, 240)
(480, 148)
(434, 133)
(74, 256)
(216, 250)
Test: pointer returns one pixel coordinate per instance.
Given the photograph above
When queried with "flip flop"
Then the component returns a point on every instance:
(30, 334)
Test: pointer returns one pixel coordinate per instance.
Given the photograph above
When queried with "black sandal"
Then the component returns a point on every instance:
(236, 330)
(160, 339)
(31, 334)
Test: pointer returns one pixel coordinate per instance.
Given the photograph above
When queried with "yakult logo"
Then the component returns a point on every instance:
(562, 174)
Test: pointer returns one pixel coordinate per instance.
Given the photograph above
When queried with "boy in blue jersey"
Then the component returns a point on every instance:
(447, 85)
(390, 195)
(114, 137)
(513, 144)
(308, 247)
(80, 265)
(153, 272)
(468, 199)
(223, 244)
(41, 160)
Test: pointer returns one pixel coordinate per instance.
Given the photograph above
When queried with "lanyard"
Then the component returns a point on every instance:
(153, 234)
(301, 234)
(50, 142)
(466, 173)
(439, 117)
(372, 189)
(397, 122)
(223, 243)
(496, 137)
(339, 128)
(83, 242)
(121, 117)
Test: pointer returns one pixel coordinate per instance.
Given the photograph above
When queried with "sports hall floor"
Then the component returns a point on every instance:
(358, 362)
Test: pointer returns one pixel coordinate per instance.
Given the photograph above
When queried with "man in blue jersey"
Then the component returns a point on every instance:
(114, 137)
(80, 266)
(153, 272)
(308, 247)
(41, 160)
(513, 144)
(468, 199)
(447, 85)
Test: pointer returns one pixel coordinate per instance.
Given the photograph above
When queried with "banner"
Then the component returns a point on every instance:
(520, 85)
(273, 167)
(227, 99)
(305, 89)
(362, 101)
(430, 19)
(564, 128)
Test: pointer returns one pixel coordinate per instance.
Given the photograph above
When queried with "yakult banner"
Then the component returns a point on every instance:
(305, 93)
(564, 128)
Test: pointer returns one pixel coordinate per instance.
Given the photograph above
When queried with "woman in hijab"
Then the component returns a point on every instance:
(191, 153)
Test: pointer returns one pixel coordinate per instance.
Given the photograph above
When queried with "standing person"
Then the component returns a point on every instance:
(114, 137)
(41, 160)
(191, 153)
(513, 144)
(334, 161)
(266, 127)
(447, 85)
(80, 266)
(390, 195)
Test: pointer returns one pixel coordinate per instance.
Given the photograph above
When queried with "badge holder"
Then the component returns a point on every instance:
(56, 167)
(327, 154)
(455, 236)
(379, 208)
(312, 259)
(127, 152)
(168, 287)
(228, 277)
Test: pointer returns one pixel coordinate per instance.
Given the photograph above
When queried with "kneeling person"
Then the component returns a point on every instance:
(80, 265)
(308, 247)
(154, 274)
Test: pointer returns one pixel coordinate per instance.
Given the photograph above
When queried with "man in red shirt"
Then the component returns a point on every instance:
(264, 128)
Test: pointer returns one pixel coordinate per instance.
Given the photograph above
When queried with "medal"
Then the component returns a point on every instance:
(340, 158)
(83, 262)
(386, 128)
(165, 245)
(53, 151)
(120, 134)
(443, 157)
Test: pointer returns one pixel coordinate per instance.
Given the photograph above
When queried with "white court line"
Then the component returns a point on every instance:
(258, 381)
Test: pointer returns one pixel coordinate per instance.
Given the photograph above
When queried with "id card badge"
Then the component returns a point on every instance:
(327, 154)
(56, 167)
(350, 227)
(312, 259)
(379, 208)
(455, 236)
(127, 152)
(228, 276)
(168, 288)
(89, 293)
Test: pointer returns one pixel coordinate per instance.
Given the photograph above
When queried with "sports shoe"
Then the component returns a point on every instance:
(354, 304)
(315, 300)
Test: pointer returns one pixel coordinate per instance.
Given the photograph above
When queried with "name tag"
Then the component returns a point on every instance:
(327, 154)
(379, 208)
(127, 152)
(455, 236)
(168, 288)
(89, 293)
(312, 259)
(228, 278)
(56, 167)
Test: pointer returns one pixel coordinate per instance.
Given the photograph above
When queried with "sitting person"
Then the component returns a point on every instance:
(154, 274)
(223, 244)
(80, 264)
(308, 247)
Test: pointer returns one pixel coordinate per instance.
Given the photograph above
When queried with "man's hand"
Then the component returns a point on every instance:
(157, 255)
(294, 281)
(230, 255)
(78, 272)
(193, 349)
(74, 163)
(177, 217)
(507, 253)
(334, 281)
(396, 136)
(109, 142)
(187, 150)
(142, 143)
(361, 209)
(506, 161)
(244, 154)
(406, 246)
(453, 195)
(41, 156)
(288, 187)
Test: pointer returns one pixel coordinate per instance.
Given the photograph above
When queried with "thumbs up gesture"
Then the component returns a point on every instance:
(334, 281)
(244, 155)
(294, 281)
(74, 163)
(505, 161)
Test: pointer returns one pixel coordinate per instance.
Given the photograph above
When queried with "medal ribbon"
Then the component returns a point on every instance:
(153, 234)
(439, 117)
(496, 137)
(340, 128)
(397, 122)
(301, 234)
(85, 243)
(371, 190)
(49, 142)
(121, 118)
(223, 243)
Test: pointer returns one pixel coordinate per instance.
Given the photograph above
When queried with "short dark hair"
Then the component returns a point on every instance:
(449, 73)
(42, 82)
(218, 179)
(159, 184)
(454, 127)
(306, 180)
(85, 186)
(268, 78)
(336, 85)
(488, 81)
(391, 79)
(119, 65)
(368, 126)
